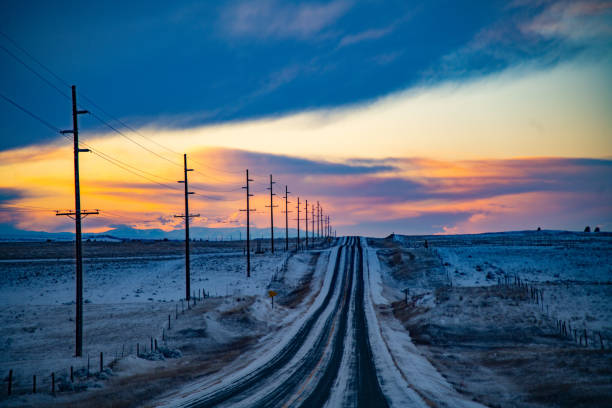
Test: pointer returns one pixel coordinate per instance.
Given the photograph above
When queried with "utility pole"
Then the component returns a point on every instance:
(248, 228)
(321, 218)
(313, 217)
(271, 214)
(306, 212)
(187, 216)
(77, 222)
(318, 218)
(286, 219)
(298, 224)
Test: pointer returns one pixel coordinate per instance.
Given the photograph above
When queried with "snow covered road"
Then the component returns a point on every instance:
(335, 356)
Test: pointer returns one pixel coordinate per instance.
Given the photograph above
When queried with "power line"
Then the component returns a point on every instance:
(63, 81)
(118, 164)
(29, 112)
(101, 120)
(51, 84)
(132, 140)
(20, 48)
(98, 153)
(61, 92)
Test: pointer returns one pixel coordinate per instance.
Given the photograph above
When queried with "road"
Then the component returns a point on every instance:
(328, 361)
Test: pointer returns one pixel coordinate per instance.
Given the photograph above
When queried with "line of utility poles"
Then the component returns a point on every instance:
(187, 216)
(78, 215)
(248, 226)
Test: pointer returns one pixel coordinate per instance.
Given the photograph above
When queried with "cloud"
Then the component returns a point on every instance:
(579, 22)
(539, 33)
(387, 57)
(293, 165)
(423, 224)
(275, 19)
(9, 194)
(367, 35)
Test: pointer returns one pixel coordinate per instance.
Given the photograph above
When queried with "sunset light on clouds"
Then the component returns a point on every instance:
(522, 141)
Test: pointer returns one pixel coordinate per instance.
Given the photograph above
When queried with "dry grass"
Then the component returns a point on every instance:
(507, 358)
(297, 295)
(135, 390)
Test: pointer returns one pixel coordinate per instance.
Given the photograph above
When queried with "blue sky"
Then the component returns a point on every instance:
(187, 63)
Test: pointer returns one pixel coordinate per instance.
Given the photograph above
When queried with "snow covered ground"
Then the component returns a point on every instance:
(128, 300)
(493, 342)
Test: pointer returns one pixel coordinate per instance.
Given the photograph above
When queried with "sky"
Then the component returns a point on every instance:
(434, 117)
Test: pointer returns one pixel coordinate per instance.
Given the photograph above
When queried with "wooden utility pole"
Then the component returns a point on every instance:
(321, 218)
(187, 216)
(271, 214)
(78, 215)
(286, 219)
(318, 218)
(248, 226)
(298, 224)
(306, 222)
(312, 218)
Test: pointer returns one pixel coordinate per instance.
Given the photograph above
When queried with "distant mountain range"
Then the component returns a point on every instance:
(10, 233)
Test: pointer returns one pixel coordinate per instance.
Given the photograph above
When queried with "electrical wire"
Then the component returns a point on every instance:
(102, 121)
(30, 113)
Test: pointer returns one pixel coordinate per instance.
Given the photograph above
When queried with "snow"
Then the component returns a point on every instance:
(475, 332)
(405, 375)
(134, 279)
(127, 301)
(269, 346)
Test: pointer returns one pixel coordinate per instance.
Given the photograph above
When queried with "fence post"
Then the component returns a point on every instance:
(53, 383)
(168, 322)
(101, 361)
(586, 341)
(10, 382)
(71, 374)
(137, 349)
(34, 384)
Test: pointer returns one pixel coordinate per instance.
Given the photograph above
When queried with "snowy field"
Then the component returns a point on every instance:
(486, 334)
(128, 300)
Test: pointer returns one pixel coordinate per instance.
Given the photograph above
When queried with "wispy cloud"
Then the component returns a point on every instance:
(367, 35)
(539, 32)
(574, 21)
(275, 19)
